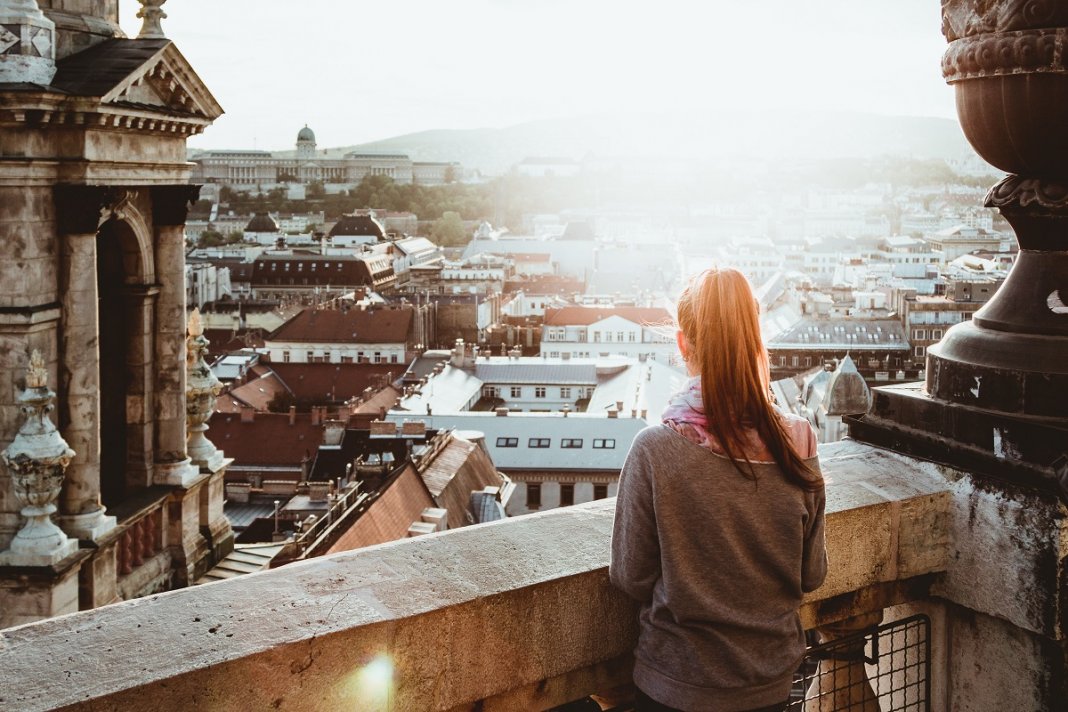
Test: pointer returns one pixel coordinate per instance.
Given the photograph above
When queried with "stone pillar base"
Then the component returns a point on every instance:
(45, 558)
(179, 474)
(90, 526)
(214, 524)
(36, 593)
(190, 549)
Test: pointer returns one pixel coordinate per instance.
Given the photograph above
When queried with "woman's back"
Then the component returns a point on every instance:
(719, 562)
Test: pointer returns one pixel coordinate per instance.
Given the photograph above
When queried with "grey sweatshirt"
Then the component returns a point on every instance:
(719, 563)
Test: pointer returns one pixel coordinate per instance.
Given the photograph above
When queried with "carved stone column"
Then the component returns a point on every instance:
(78, 210)
(842, 680)
(169, 209)
(152, 13)
(170, 204)
(37, 460)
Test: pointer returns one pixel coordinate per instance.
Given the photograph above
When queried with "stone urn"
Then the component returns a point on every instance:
(37, 459)
(1006, 62)
(202, 390)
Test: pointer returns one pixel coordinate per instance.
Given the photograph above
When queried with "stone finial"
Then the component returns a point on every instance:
(202, 389)
(152, 13)
(37, 459)
(195, 325)
(36, 374)
(27, 43)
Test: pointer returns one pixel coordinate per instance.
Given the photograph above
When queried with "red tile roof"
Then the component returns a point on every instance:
(355, 326)
(334, 381)
(268, 440)
(584, 316)
(389, 517)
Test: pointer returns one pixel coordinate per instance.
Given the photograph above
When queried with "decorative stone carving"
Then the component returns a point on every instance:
(1009, 53)
(1014, 191)
(202, 388)
(37, 459)
(966, 18)
(27, 43)
(152, 13)
(1006, 64)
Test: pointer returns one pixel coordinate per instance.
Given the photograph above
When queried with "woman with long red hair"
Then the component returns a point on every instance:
(719, 520)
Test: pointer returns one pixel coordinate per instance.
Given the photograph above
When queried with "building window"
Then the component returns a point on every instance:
(596, 337)
(604, 443)
(378, 357)
(795, 361)
(567, 494)
(310, 356)
(565, 392)
(538, 443)
(936, 334)
(920, 351)
(600, 491)
(533, 495)
(516, 391)
(571, 443)
(919, 333)
(285, 357)
(393, 358)
(633, 336)
(491, 392)
(539, 392)
(620, 335)
(608, 336)
(507, 442)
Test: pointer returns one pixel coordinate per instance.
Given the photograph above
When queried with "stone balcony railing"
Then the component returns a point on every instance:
(511, 615)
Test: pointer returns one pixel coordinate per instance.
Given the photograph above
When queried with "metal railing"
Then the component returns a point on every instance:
(887, 668)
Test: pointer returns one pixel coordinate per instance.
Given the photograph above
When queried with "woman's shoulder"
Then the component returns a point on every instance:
(802, 436)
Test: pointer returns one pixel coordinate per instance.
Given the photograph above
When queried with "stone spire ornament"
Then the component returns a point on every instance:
(27, 43)
(202, 388)
(37, 460)
(152, 13)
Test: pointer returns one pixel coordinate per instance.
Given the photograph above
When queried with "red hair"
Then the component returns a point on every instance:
(718, 316)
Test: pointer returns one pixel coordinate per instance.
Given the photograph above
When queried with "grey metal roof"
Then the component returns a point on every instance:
(548, 371)
(843, 334)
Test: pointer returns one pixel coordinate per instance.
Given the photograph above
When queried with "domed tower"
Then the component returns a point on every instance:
(81, 24)
(305, 143)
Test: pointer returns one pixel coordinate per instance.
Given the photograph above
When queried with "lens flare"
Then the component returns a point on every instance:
(370, 689)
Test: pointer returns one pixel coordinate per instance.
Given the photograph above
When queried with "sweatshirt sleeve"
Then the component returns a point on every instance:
(814, 562)
(635, 562)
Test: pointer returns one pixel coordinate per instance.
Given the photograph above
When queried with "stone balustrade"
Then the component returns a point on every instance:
(509, 615)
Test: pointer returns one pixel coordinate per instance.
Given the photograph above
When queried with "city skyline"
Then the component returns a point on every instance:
(363, 73)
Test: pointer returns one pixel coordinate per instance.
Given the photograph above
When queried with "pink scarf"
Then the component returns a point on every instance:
(685, 414)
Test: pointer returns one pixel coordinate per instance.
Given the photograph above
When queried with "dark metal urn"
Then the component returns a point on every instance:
(1008, 66)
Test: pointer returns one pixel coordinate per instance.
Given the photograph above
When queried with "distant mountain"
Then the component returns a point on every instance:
(695, 137)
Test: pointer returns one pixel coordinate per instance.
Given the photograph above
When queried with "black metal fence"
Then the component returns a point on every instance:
(893, 661)
(885, 668)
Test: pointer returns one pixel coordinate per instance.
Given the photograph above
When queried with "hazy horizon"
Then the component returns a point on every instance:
(357, 73)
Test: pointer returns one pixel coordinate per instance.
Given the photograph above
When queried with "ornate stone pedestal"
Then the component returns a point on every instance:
(995, 402)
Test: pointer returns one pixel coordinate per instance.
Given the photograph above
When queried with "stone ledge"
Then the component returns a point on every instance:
(512, 612)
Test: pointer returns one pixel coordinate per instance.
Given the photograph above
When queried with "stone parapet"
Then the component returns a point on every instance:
(516, 614)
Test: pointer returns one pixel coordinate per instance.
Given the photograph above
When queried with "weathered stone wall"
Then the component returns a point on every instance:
(515, 614)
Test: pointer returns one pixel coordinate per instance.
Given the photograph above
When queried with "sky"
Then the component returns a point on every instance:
(361, 71)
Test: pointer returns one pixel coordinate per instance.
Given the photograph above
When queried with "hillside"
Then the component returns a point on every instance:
(711, 137)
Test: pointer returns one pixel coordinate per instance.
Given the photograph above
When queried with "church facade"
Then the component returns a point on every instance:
(94, 190)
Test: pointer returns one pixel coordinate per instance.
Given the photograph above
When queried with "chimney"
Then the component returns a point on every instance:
(315, 415)
(619, 405)
(292, 414)
(613, 413)
(248, 414)
(501, 412)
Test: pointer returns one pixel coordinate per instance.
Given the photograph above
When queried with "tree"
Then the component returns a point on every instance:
(449, 231)
(316, 190)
